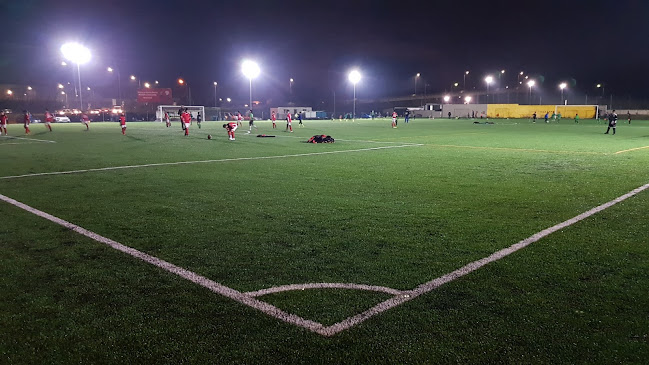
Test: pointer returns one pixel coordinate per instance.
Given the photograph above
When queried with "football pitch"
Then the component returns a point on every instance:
(440, 241)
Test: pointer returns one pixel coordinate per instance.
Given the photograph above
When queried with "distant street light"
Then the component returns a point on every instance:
(416, 77)
(77, 54)
(447, 98)
(9, 92)
(290, 86)
(147, 85)
(354, 78)
(562, 86)
(251, 70)
(189, 89)
(488, 80)
(530, 84)
(215, 84)
(229, 100)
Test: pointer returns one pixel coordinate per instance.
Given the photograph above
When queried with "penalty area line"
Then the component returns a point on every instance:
(29, 139)
(202, 161)
(424, 288)
(183, 273)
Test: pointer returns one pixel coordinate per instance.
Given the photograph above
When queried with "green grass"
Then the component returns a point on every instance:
(394, 217)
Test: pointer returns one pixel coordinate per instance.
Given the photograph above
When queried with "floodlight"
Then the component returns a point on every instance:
(63, 63)
(215, 83)
(147, 85)
(531, 83)
(291, 80)
(229, 100)
(156, 82)
(181, 81)
(456, 84)
(467, 99)
(447, 98)
(354, 77)
(489, 80)
(599, 85)
(109, 69)
(521, 73)
(76, 53)
(418, 74)
(9, 92)
(29, 88)
(62, 92)
(502, 71)
(466, 72)
(563, 85)
(250, 69)
(60, 86)
(132, 77)
(88, 88)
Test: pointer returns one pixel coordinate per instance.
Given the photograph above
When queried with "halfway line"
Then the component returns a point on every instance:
(201, 161)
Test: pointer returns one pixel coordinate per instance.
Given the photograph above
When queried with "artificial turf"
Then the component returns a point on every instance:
(381, 206)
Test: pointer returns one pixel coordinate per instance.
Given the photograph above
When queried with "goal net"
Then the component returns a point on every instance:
(174, 111)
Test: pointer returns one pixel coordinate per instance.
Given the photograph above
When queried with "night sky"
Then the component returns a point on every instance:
(317, 42)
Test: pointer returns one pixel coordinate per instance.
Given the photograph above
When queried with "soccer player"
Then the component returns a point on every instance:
(577, 118)
(122, 123)
(272, 117)
(230, 128)
(394, 119)
(558, 117)
(251, 122)
(3, 122)
(534, 117)
(299, 117)
(49, 118)
(199, 119)
(180, 116)
(628, 115)
(26, 121)
(288, 122)
(85, 120)
(554, 116)
(546, 117)
(239, 118)
(186, 119)
(406, 116)
(612, 122)
(167, 120)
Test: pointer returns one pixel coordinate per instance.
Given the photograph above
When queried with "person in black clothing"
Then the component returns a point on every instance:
(612, 122)
(180, 112)
(628, 115)
(534, 117)
(449, 115)
(406, 116)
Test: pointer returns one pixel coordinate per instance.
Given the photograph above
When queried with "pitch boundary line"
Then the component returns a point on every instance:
(29, 139)
(201, 161)
(249, 300)
(516, 149)
(631, 149)
(291, 287)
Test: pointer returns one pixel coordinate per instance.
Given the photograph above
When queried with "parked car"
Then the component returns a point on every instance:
(60, 119)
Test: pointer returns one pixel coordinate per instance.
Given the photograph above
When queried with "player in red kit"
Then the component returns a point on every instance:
(187, 119)
(85, 120)
(394, 119)
(122, 123)
(26, 120)
(230, 128)
(3, 122)
(239, 118)
(272, 117)
(49, 118)
(167, 120)
(288, 122)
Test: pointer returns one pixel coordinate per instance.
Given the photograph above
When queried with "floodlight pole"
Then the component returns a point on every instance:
(80, 91)
(354, 108)
(250, 93)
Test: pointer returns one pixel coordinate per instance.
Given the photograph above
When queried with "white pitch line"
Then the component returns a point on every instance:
(201, 161)
(469, 268)
(631, 149)
(29, 139)
(9, 143)
(185, 274)
(290, 287)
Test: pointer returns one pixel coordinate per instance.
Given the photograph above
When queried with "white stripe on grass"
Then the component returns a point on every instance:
(631, 149)
(29, 139)
(201, 161)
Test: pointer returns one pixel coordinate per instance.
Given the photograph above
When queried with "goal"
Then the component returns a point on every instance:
(172, 110)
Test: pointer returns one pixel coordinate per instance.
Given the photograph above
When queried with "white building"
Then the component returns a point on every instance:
(281, 111)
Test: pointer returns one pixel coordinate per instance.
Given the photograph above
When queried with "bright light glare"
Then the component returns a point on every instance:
(418, 74)
(156, 82)
(62, 92)
(110, 69)
(63, 63)
(354, 77)
(250, 69)
(466, 72)
(229, 100)
(215, 83)
(467, 99)
(599, 85)
(76, 53)
(447, 98)
(60, 86)
(181, 81)
(563, 85)
(132, 77)
(88, 88)
(9, 92)
(521, 72)
(531, 83)
(147, 85)
(456, 84)
(502, 71)
(489, 79)
(291, 80)
(29, 88)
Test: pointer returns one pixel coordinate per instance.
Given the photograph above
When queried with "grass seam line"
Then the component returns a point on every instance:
(201, 161)
(169, 267)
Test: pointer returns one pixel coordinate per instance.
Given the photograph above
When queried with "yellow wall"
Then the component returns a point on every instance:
(526, 111)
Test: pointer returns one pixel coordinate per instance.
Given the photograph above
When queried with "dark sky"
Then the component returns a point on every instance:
(317, 42)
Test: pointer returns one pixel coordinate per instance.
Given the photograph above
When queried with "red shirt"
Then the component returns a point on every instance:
(3, 119)
(288, 117)
(166, 116)
(26, 118)
(85, 118)
(186, 118)
(232, 125)
(49, 117)
(394, 114)
(122, 120)
(239, 116)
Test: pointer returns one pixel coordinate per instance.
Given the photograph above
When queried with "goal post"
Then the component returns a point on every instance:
(173, 110)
